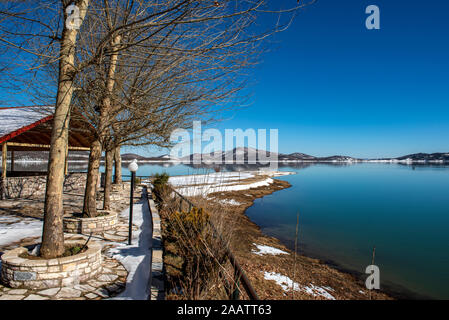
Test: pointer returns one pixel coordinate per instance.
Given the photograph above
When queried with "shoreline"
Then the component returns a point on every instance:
(392, 290)
(389, 290)
(341, 283)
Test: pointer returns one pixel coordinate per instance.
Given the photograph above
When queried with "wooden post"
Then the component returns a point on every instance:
(12, 160)
(3, 179)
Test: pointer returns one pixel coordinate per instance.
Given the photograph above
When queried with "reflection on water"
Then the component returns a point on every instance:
(346, 209)
(173, 168)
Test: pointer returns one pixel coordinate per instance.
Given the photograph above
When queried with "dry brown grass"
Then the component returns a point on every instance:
(241, 234)
(195, 257)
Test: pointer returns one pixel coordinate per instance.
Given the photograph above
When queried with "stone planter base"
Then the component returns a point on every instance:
(20, 272)
(88, 225)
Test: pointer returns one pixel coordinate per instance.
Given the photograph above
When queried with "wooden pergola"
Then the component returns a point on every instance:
(29, 129)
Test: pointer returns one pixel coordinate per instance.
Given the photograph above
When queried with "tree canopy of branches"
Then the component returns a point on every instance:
(135, 69)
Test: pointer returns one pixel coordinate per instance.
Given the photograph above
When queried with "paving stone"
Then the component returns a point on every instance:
(121, 273)
(111, 264)
(102, 292)
(107, 270)
(67, 292)
(11, 297)
(84, 287)
(91, 295)
(49, 292)
(17, 291)
(35, 297)
(107, 277)
(122, 233)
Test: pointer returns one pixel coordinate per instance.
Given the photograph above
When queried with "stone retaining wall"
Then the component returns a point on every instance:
(34, 186)
(17, 272)
(88, 225)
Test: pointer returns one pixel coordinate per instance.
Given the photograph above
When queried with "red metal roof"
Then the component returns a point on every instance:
(13, 120)
(32, 125)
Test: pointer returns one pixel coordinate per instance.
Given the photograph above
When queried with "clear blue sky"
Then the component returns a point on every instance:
(330, 86)
(333, 87)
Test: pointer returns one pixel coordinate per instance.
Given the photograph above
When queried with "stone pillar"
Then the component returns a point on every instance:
(12, 160)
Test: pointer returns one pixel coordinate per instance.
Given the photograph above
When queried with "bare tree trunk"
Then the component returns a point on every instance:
(118, 166)
(104, 122)
(109, 158)
(53, 235)
(90, 194)
(90, 204)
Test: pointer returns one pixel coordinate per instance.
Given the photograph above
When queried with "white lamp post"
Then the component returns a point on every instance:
(133, 168)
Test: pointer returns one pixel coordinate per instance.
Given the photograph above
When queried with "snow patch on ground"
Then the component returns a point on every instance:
(14, 228)
(204, 184)
(213, 178)
(267, 250)
(230, 202)
(207, 189)
(136, 258)
(287, 284)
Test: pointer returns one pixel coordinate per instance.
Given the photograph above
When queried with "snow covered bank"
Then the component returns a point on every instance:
(287, 284)
(222, 181)
(267, 250)
(230, 202)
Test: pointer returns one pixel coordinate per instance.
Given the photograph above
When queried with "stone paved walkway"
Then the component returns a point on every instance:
(109, 283)
(112, 281)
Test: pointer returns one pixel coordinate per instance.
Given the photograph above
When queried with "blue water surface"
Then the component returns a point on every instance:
(345, 211)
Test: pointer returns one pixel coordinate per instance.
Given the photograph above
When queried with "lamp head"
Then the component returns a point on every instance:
(133, 166)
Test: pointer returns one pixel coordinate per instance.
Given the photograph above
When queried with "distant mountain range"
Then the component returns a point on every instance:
(245, 153)
(302, 157)
(251, 153)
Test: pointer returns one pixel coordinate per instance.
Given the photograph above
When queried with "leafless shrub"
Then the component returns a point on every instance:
(195, 242)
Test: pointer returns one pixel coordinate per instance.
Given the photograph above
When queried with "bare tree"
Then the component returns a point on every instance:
(160, 73)
(66, 36)
(177, 59)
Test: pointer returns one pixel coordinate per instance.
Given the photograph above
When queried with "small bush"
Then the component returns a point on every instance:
(160, 183)
(190, 257)
(161, 179)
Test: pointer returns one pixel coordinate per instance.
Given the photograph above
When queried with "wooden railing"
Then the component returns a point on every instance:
(239, 276)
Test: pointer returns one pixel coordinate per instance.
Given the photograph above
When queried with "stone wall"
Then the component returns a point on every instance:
(34, 186)
(88, 225)
(18, 272)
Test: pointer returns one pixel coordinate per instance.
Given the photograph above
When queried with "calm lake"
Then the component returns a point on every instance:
(346, 210)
